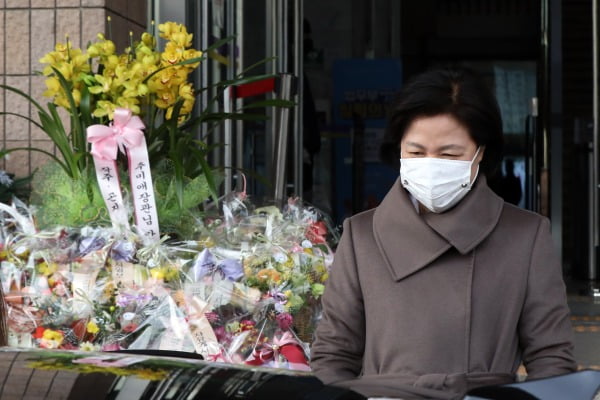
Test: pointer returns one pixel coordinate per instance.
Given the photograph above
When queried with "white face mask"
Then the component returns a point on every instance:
(437, 183)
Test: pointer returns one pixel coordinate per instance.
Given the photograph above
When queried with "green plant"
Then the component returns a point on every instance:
(155, 86)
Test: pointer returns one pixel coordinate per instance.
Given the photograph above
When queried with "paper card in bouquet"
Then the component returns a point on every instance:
(203, 336)
(83, 283)
(124, 272)
(125, 134)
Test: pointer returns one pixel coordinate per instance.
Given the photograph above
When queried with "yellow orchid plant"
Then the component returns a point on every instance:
(141, 74)
(155, 85)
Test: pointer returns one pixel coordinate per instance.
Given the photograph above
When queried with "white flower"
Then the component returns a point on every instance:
(280, 257)
(89, 346)
(307, 244)
(5, 179)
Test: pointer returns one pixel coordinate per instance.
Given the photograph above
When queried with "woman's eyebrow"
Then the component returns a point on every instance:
(452, 147)
(441, 148)
(420, 146)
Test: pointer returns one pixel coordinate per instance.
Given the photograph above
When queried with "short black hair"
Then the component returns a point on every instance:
(452, 90)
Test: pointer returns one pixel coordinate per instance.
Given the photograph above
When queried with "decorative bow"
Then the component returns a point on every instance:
(287, 346)
(205, 264)
(122, 250)
(124, 132)
(221, 356)
(89, 244)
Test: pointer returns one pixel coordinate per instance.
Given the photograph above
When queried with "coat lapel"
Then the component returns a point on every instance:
(471, 221)
(409, 241)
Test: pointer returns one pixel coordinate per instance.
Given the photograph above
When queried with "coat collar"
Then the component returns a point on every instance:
(409, 241)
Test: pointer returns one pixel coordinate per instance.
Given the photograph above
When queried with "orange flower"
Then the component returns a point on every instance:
(269, 274)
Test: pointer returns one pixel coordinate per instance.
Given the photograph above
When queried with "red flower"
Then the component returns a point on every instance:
(247, 325)
(285, 321)
(131, 327)
(316, 232)
(39, 332)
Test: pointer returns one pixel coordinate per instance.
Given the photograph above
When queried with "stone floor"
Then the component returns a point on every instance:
(584, 302)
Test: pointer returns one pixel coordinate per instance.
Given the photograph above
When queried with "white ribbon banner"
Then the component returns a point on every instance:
(142, 191)
(125, 134)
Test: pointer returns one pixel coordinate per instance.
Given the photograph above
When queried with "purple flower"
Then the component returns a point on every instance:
(124, 299)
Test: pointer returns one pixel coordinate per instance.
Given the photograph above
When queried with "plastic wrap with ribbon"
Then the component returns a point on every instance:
(125, 134)
(284, 348)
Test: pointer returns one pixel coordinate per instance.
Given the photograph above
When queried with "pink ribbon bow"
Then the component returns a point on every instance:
(287, 346)
(124, 132)
(221, 356)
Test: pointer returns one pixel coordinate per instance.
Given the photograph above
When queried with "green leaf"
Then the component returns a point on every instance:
(86, 107)
(244, 80)
(219, 43)
(24, 117)
(55, 130)
(4, 152)
(77, 138)
(21, 93)
(235, 116)
(210, 178)
(261, 62)
(270, 103)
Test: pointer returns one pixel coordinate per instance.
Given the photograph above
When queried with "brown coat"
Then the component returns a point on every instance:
(432, 305)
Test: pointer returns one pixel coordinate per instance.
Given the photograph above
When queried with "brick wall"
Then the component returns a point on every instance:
(28, 30)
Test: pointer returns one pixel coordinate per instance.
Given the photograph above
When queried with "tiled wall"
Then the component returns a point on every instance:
(28, 30)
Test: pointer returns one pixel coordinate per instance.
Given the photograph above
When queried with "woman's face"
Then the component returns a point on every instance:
(440, 136)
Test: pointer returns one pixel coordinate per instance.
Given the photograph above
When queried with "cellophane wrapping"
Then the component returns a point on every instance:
(244, 289)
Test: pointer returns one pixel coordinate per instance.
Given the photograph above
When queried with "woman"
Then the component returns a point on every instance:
(444, 286)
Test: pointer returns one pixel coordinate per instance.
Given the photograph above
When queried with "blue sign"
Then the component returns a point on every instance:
(363, 90)
(366, 88)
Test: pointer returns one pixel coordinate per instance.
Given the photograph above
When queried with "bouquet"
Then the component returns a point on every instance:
(240, 292)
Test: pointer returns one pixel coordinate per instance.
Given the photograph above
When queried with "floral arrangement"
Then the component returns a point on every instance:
(153, 84)
(90, 84)
(234, 283)
(245, 291)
